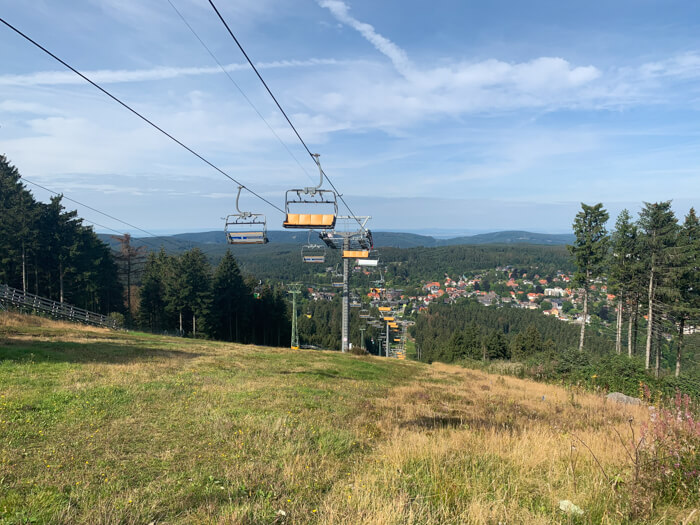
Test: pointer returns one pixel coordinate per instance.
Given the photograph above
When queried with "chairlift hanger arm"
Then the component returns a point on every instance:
(313, 189)
(241, 213)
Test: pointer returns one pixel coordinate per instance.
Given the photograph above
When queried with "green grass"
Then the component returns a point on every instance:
(100, 427)
(104, 427)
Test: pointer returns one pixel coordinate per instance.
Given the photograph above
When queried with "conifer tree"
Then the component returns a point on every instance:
(196, 286)
(231, 301)
(589, 251)
(623, 273)
(659, 227)
(152, 303)
(686, 281)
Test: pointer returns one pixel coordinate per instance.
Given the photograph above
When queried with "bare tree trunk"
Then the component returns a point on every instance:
(585, 316)
(618, 335)
(630, 346)
(679, 348)
(181, 332)
(24, 270)
(128, 286)
(194, 325)
(636, 325)
(60, 281)
(650, 319)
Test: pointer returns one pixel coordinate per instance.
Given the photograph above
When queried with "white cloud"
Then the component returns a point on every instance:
(385, 46)
(106, 76)
(368, 92)
(19, 106)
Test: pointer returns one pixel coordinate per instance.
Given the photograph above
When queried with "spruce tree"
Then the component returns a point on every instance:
(624, 272)
(686, 281)
(589, 251)
(196, 287)
(659, 227)
(231, 301)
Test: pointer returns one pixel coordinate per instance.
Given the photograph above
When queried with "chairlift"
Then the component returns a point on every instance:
(337, 280)
(245, 227)
(257, 291)
(380, 282)
(311, 208)
(313, 253)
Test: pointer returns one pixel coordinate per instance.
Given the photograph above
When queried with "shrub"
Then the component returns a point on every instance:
(117, 318)
(668, 464)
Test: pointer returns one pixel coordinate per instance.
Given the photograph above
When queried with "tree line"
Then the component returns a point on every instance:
(652, 265)
(184, 293)
(469, 330)
(48, 251)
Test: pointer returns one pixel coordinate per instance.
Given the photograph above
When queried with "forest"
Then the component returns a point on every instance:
(48, 251)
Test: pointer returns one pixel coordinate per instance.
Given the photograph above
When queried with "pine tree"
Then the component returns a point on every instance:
(231, 301)
(659, 226)
(589, 251)
(686, 281)
(196, 286)
(152, 305)
(130, 259)
(624, 272)
(16, 226)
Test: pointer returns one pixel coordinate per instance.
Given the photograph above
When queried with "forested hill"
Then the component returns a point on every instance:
(381, 239)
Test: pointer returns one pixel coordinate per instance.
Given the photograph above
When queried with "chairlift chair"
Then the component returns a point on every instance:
(245, 227)
(313, 253)
(363, 314)
(337, 280)
(311, 208)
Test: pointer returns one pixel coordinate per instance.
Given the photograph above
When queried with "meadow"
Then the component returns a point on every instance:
(103, 427)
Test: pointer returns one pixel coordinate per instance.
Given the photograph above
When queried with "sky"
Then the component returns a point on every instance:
(453, 116)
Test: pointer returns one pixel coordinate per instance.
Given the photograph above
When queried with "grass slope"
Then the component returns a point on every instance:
(104, 427)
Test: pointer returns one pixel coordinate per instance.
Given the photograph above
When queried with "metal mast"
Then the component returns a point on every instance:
(387, 338)
(294, 289)
(346, 299)
(333, 240)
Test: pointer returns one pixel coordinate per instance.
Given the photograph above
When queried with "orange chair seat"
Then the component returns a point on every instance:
(309, 220)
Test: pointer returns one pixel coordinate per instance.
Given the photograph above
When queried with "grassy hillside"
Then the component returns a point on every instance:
(104, 427)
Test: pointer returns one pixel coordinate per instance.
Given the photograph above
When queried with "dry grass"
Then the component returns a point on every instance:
(101, 427)
(461, 446)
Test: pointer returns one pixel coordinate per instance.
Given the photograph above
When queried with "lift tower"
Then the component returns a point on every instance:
(347, 241)
(294, 289)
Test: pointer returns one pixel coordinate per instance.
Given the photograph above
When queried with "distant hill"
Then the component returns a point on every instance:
(183, 241)
(513, 237)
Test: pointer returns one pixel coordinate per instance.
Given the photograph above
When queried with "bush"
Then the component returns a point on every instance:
(668, 465)
(117, 318)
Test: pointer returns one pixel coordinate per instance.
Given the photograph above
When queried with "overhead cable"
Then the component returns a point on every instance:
(132, 110)
(140, 239)
(240, 90)
(230, 32)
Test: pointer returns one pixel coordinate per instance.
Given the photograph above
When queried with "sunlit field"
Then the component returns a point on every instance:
(106, 427)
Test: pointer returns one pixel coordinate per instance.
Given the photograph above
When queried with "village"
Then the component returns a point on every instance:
(553, 295)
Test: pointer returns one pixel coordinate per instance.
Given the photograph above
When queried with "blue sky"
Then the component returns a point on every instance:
(464, 116)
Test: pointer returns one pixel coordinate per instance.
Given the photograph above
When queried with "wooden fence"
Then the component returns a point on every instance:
(30, 302)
